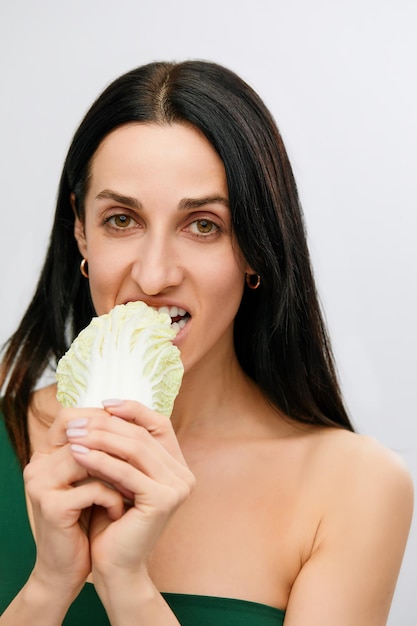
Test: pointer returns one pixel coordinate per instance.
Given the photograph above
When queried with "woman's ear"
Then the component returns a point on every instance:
(79, 230)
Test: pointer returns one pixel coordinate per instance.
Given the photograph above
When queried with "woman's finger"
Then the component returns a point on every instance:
(54, 470)
(159, 426)
(175, 488)
(59, 489)
(96, 493)
(132, 444)
(56, 435)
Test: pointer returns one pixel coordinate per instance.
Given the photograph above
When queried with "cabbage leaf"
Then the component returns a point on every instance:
(127, 353)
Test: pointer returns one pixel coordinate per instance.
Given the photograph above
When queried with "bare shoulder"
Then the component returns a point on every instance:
(360, 503)
(361, 480)
(355, 456)
(42, 412)
(44, 404)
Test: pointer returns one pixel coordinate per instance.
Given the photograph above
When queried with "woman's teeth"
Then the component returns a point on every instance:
(178, 316)
(178, 325)
(173, 311)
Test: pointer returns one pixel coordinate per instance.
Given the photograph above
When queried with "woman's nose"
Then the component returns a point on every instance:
(156, 267)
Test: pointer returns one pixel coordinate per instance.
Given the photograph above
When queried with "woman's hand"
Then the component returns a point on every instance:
(135, 450)
(62, 496)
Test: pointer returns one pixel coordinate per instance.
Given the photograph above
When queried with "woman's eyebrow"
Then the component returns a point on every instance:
(194, 203)
(129, 201)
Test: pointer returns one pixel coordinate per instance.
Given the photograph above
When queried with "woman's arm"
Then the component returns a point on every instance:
(133, 599)
(61, 497)
(39, 603)
(351, 573)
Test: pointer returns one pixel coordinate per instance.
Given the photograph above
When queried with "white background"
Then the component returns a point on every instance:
(341, 80)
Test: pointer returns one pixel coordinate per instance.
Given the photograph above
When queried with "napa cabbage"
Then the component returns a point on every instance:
(127, 353)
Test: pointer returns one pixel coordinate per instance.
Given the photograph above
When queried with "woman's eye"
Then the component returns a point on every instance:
(120, 221)
(203, 227)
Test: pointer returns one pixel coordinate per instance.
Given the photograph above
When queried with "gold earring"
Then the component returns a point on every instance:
(84, 268)
(253, 281)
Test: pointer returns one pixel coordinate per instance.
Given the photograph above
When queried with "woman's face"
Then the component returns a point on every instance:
(158, 229)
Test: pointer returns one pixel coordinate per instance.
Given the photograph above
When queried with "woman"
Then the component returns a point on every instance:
(256, 503)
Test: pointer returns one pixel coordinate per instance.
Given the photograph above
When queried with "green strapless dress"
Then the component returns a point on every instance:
(17, 556)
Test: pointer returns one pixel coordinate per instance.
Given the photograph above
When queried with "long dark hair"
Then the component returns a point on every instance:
(280, 336)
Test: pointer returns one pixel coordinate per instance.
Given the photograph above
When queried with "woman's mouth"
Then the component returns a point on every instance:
(179, 317)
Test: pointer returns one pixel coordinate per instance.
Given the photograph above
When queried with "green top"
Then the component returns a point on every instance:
(17, 556)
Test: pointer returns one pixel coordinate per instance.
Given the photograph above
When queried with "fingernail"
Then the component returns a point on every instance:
(111, 402)
(81, 422)
(75, 447)
(77, 432)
